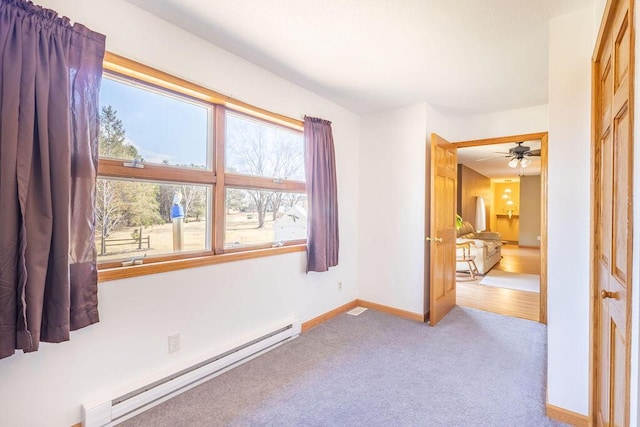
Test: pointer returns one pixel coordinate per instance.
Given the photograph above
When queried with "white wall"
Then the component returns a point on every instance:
(391, 228)
(504, 123)
(210, 306)
(393, 152)
(571, 45)
(598, 13)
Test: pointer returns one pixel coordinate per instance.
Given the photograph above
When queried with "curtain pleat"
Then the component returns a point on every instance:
(322, 194)
(49, 84)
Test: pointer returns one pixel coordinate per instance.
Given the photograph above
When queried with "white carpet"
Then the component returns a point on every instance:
(517, 281)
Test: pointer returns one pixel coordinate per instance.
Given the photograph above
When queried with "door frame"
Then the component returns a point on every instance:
(544, 138)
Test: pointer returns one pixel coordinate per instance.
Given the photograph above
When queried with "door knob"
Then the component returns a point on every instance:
(434, 239)
(606, 294)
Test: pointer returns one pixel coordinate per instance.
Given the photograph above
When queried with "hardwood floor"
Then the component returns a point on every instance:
(525, 305)
(519, 260)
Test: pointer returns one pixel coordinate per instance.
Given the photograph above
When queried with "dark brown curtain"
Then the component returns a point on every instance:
(322, 194)
(50, 73)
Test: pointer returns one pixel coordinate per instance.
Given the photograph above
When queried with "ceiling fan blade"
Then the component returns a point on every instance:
(491, 158)
(534, 152)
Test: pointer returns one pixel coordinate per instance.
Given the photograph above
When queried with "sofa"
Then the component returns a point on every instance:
(485, 246)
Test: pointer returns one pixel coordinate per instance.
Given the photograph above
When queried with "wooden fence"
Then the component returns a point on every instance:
(141, 242)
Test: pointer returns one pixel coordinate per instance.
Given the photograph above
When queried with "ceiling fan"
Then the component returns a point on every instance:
(518, 155)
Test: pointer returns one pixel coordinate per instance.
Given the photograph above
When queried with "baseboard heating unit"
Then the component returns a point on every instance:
(130, 402)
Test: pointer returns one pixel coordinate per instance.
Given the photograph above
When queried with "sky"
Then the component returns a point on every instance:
(161, 127)
(175, 129)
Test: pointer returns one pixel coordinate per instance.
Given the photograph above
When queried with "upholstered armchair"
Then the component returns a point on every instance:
(485, 245)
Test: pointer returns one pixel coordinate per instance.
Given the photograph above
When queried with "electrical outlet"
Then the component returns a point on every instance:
(339, 286)
(538, 238)
(174, 342)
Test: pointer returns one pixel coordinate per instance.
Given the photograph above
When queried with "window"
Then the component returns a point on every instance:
(184, 173)
(256, 148)
(255, 217)
(265, 166)
(142, 121)
(134, 218)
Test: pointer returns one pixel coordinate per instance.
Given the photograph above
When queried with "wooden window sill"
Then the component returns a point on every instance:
(116, 273)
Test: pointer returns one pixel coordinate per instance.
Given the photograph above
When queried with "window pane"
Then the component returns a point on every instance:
(135, 218)
(257, 148)
(138, 121)
(257, 217)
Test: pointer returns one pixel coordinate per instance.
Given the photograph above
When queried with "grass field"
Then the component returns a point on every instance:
(242, 229)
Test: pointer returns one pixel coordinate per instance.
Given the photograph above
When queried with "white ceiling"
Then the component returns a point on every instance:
(491, 160)
(461, 56)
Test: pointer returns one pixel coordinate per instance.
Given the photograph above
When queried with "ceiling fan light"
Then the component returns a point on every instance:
(525, 162)
(513, 163)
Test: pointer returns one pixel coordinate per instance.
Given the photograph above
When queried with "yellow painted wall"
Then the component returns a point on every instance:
(507, 227)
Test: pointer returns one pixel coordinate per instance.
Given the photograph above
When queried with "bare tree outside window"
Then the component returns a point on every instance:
(259, 149)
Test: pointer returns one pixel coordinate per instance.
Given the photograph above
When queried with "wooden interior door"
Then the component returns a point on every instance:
(612, 212)
(442, 238)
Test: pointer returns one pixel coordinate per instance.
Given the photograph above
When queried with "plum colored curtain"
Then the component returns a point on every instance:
(50, 73)
(322, 195)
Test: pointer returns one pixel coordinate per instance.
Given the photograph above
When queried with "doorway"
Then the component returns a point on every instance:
(507, 285)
